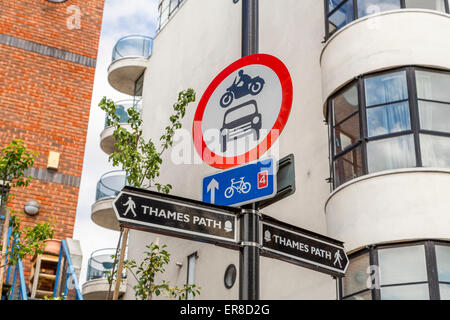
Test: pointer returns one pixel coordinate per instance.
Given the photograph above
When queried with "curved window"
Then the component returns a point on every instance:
(408, 271)
(390, 120)
(342, 12)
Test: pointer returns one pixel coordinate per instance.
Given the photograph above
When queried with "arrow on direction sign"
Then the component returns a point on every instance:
(212, 187)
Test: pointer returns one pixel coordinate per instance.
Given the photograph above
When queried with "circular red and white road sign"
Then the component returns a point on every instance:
(243, 111)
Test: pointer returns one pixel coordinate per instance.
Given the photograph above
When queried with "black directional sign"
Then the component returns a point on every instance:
(176, 216)
(302, 247)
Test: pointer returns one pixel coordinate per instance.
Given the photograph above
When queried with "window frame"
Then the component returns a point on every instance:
(328, 13)
(416, 131)
(430, 262)
(193, 256)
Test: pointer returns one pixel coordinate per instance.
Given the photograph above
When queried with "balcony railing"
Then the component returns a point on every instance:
(100, 264)
(133, 46)
(110, 184)
(166, 9)
(122, 110)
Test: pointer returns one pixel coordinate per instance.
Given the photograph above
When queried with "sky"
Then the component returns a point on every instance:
(120, 18)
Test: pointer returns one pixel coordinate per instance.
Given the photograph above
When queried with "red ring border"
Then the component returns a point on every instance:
(286, 104)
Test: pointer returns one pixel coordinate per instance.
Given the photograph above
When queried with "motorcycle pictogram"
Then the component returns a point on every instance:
(245, 86)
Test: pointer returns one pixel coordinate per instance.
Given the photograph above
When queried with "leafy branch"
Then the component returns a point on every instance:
(15, 159)
(141, 159)
(28, 241)
(156, 258)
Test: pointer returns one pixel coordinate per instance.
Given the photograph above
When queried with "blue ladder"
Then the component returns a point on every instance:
(18, 272)
(70, 274)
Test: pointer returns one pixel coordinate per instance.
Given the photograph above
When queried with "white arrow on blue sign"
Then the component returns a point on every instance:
(241, 185)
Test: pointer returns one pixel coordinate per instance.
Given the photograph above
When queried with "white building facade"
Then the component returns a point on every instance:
(369, 128)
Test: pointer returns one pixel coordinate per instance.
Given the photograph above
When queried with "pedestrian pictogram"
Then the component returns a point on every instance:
(131, 206)
(337, 259)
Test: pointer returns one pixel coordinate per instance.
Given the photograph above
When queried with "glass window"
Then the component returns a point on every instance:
(394, 121)
(386, 88)
(433, 86)
(444, 289)
(173, 5)
(348, 166)
(402, 272)
(347, 133)
(345, 104)
(438, 5)
(367, 7)
(408, 292)
(191, 272)
(434, 116)
(341, 17)
(391, 153)
(341, 12)
(332, 4)
(443, 262)
(435, 151)
(402, 265)
(389, 118)
(355, 279)
(367, 295)
(138, 86)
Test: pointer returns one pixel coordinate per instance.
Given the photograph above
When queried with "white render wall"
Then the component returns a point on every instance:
(395, 205)
(382, 41)
(201, 39)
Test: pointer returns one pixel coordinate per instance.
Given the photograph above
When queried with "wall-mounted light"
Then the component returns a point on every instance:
(230, 276)
(53, 160)
(32, 208)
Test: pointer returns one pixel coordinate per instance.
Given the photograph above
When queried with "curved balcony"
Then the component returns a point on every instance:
(394, 205)
(129, 60)
(108, 187)
(106, 136)
(100, 265)
(385, 40)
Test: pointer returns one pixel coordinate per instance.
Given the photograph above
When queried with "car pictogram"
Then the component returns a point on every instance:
(240, 121)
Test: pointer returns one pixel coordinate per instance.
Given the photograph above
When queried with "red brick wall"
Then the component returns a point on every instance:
(45, 22)
(45, 101)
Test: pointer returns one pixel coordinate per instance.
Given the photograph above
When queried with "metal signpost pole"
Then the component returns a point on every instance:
(250, 27)
(249, 255)
(250, 252)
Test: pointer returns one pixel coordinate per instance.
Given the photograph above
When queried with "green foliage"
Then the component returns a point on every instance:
(140, 159)
(156, 258)
(29, 241)
(15, 159)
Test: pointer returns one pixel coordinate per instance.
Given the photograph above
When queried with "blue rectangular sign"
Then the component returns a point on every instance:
(241, 185)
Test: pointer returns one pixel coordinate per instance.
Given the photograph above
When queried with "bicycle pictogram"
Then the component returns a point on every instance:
(240, 186)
